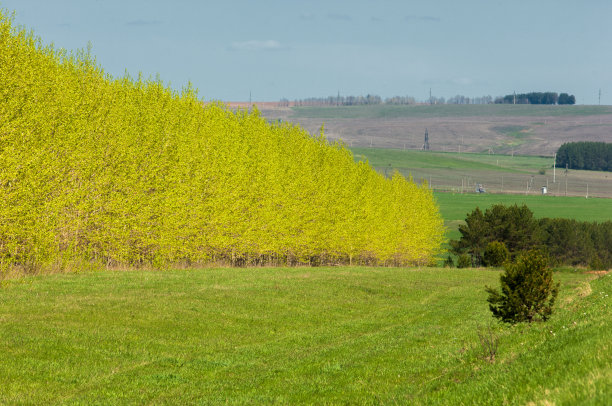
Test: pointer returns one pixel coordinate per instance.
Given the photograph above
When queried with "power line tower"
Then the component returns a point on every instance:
(600, 97)
(426, 143)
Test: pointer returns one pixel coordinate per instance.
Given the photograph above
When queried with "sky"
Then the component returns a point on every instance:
(295, 49)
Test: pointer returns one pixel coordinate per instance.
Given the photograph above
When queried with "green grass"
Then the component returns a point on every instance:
(445, 110)
(454, 207)
(295, 336)
(397, 158)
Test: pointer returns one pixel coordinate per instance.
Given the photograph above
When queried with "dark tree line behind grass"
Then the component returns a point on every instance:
(537, 98)
(566, 241)
(594, 156)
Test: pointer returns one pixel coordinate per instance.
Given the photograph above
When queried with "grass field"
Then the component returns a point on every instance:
(400, 159)
(518, 174)
(295, 336)
(447, 110)
(455, 206)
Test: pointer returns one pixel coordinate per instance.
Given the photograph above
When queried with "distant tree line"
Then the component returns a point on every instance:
(594, 156)
(400, 100)
(567, 242)
(369, 99)
(536, 98)
(523, 98)
(460, 99)
(374, 99)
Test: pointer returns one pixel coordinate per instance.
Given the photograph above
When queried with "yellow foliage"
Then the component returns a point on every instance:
(126, 172)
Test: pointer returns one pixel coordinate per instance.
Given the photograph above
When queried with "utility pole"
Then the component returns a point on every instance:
(566, 165)
(527, 190)
(554, 167)
(600, 96)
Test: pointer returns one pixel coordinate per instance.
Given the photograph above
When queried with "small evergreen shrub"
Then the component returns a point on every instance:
(464, 261)
(496, 254)
(528, 291)
(448, 262)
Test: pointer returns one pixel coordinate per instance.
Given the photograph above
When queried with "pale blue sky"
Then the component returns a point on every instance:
(298, 49)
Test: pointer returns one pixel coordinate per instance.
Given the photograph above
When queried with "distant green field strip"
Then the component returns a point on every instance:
(397, 158)
(456, 206)
(426, 111)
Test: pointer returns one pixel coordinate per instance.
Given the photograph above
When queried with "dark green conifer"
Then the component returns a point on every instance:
(528, 291)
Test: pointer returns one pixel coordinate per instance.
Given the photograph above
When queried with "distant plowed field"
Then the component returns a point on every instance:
(500, 129)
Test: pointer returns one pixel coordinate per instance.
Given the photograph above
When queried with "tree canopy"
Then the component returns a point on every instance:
(594, 156)
(536, 98)
(567, 241)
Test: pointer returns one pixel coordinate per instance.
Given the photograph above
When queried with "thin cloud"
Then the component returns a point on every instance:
(307, 16)
(462, 81)
(457, 81)
(339, 17)
(256, 45)
(426, 19)
(143, 23)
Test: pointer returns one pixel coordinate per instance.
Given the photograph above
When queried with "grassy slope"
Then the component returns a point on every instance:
(426, 111)
(381, 158)
(342, 335)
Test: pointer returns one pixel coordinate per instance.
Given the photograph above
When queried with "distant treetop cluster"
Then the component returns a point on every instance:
(537, 98)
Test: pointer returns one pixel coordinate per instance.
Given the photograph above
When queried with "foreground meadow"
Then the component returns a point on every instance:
(295, 336)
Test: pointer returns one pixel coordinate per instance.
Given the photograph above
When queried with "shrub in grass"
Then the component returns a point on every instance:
(464, 261)
(448, 262)
(496, 253)
(596, 264)
(528, 291)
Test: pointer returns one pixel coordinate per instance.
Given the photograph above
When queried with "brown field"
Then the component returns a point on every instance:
(499, 134)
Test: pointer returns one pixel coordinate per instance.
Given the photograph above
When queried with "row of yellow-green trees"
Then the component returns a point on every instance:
(127, 172)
